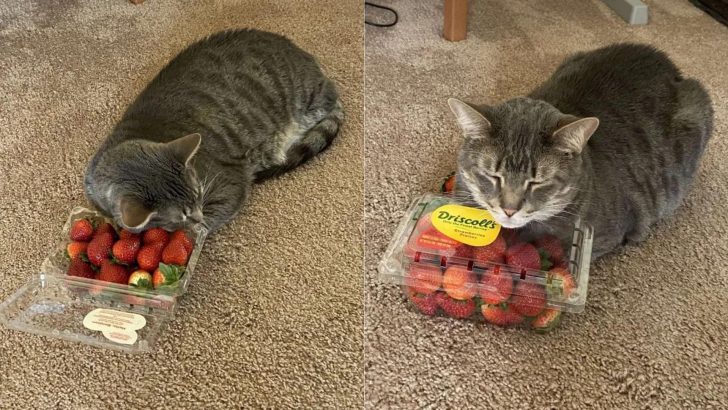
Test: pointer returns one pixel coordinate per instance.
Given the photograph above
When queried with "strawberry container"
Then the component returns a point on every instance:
(455, 260)
(95, 312)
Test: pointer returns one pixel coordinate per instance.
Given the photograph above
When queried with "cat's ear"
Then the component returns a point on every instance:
(573, 133)
(134, 215)
(473, 123)
(185, 148)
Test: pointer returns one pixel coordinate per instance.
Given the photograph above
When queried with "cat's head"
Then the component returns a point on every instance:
(152, 184)
(521, 160)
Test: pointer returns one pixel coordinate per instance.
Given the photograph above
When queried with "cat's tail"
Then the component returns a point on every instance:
(313, 141)
(320, 136)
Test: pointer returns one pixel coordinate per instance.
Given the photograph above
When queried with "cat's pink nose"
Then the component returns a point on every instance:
(510, 212)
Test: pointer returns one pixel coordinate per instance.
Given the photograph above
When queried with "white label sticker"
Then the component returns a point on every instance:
(119, 327)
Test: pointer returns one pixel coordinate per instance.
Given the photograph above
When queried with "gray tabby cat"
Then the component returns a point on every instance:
(615, 135)
(235, 108)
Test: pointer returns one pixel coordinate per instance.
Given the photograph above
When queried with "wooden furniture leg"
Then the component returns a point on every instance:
(456, 20)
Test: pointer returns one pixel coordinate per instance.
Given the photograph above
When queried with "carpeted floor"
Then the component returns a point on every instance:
(655, 330)
(273, 317)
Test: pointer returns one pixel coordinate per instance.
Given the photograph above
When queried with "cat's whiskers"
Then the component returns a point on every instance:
(467, 198)
(207, 184)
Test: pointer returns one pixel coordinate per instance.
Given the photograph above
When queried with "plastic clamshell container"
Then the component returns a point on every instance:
(54, 304)
(406, 253)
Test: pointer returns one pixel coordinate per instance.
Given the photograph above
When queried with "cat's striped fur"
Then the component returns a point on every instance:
(614, 136)
(260, 105)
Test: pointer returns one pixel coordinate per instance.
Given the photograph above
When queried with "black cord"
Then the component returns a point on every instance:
(396, 16)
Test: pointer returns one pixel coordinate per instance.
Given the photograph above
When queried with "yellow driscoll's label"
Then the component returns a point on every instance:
(471, 226)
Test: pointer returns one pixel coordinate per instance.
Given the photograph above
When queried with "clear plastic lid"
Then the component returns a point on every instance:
(58, 306)
(443, 246)
(90, 311)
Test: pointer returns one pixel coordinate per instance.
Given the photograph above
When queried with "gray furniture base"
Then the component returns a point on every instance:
(632, 11)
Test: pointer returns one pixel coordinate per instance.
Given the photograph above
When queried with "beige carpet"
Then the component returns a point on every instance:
(654, 334)
(273, 317)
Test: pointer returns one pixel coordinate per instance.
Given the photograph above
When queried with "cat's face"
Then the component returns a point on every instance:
(523, 161)
(155, 185)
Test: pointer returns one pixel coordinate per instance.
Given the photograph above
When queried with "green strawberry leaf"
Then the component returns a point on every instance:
(543, 253)
(171, 273)
(545, 259)
(143, 283)
(180, 270)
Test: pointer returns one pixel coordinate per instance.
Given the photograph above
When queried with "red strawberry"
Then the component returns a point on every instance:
(448, 186)
(459, 309)
(174, 254)
(492, 252)
(523, 255)
(99, 248)
(166, 275)
(463, 251)
(81, 230)
(78, 267)
(514, 318)
(496, 287)
(433, 241)
(426, 304)
(426, 238)
(424, 279)
(181, 236)
(105, 228)
(562, 284)
(111, 272)
(124, 234)
(546, 321)
(156, 235)
(459, 282)
(501, 315)
(529, 299)
(552, 245)
(149, 256)
(125, 250)
(424, 223)
(75, 249)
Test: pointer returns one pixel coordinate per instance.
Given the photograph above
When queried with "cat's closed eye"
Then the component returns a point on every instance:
(495, 179)
(531, 184)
